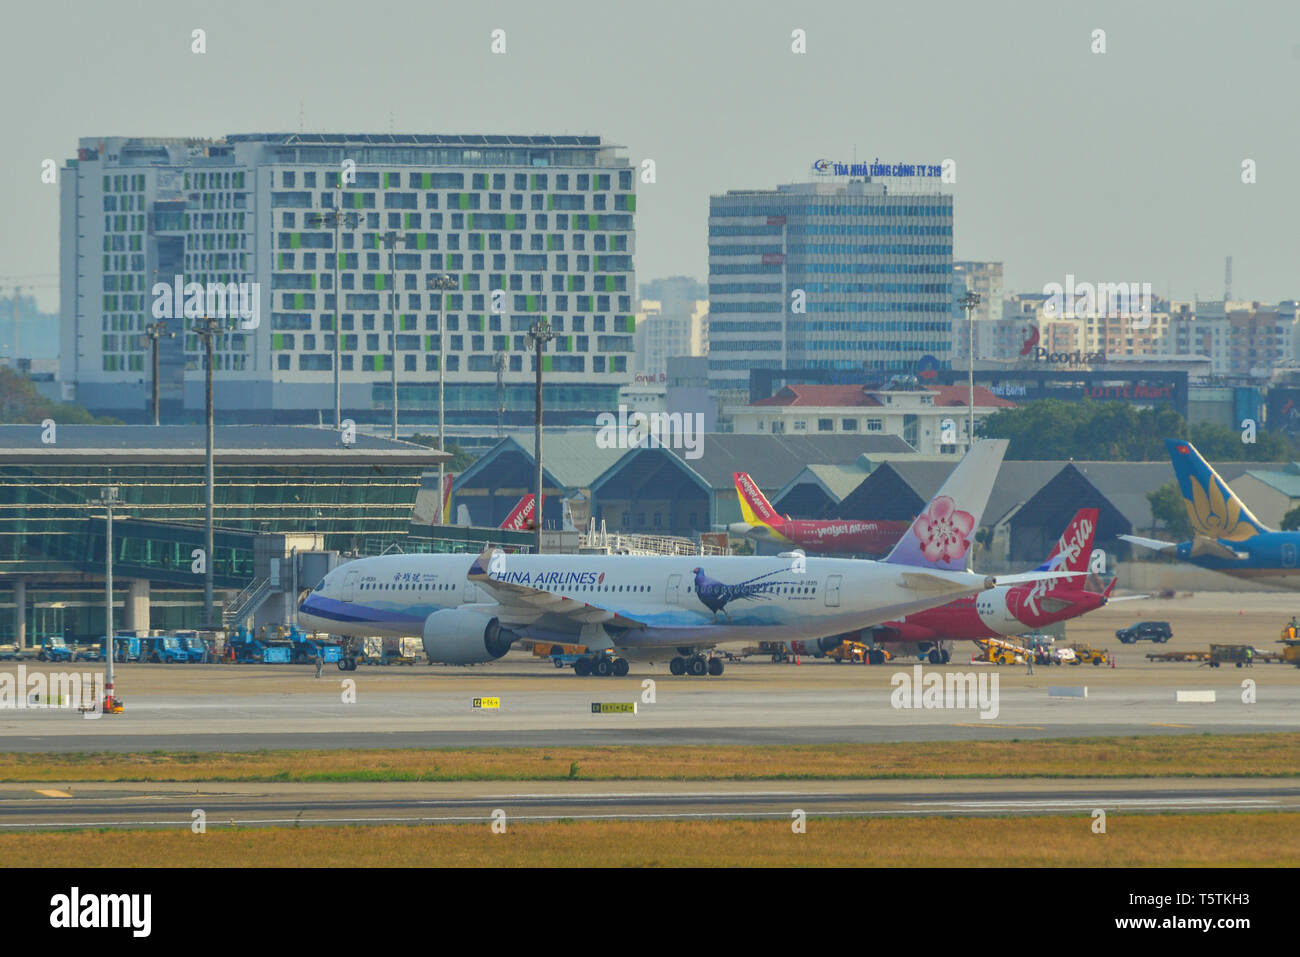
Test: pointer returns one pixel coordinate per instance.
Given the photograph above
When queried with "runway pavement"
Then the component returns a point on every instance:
(241, 708)
(23, 807)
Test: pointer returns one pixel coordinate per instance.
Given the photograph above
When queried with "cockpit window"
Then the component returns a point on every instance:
(320, 586)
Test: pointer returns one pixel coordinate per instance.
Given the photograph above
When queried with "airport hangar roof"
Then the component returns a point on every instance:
(1285, 479)
(186, 445)
(771, 460)
(570, 460)
(900, 489)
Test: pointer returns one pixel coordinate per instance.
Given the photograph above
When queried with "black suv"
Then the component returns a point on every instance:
(1150, 630)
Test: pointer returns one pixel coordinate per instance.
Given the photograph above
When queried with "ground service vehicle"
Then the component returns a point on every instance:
(1158, 631)
(167, 650)
(54, 649)
(1083, 654)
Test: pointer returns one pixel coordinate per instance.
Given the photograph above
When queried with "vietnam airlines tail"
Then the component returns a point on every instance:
(1226, 536)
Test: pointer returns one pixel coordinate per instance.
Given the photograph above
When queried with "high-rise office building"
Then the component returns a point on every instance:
(840, 276)
(532, 227)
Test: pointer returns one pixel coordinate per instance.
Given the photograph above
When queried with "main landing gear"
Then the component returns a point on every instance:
(602, 666)
(939, 656)
(696, 665)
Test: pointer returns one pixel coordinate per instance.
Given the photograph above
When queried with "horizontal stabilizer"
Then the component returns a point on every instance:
(1152, 543)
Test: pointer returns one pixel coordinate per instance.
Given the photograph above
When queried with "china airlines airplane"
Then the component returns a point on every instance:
(470, 609)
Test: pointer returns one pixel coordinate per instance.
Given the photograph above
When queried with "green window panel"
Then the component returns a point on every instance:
(295, 240)
(629, 323)
(426, 181)
(311, 281)
(421, 239)
(570, 285)
(550, 243)
(550, 201)
(379, 363)
(530, 303)
(428, 343)
(410, 220)
(357, 201)
(510, 220)
(537, 181)
(469, 220)
(381, 282)
(464, 200)
(568, 343)
(631, 203)
(386, 181)
(592, 222)
(277, 340)
(595, 263)
(547, 363)
(609, 283)
(299, 301)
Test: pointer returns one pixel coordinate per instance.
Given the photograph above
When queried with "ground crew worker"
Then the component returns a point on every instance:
(1029, 661)
(1250, 657)
(320, 662)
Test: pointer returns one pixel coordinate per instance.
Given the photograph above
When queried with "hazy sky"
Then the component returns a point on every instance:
(1122, 166)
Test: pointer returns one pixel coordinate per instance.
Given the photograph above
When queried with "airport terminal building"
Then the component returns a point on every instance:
(279, 490)
(531, 227)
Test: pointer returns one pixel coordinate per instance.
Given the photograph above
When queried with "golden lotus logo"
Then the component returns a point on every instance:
(1216, 515)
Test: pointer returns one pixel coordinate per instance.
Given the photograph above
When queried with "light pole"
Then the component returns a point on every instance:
(390, 242)
(969, 302)
(441, 285)
(108, 497)
(208, 328)
(499, 360)
(155, 331)
(539, 333)
(334, 219)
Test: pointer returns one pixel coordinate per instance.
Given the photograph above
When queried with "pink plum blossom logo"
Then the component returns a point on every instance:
(943, 530)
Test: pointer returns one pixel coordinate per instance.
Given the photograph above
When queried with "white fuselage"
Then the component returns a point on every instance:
(647, 601)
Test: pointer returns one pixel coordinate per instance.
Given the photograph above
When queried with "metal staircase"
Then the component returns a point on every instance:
(246, 602)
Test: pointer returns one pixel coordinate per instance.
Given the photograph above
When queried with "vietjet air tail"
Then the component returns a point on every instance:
(837, 536)
(1011, 609)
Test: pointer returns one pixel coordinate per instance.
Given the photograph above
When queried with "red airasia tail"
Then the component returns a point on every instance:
(521, 517)
(1010, 609)
(847, 536)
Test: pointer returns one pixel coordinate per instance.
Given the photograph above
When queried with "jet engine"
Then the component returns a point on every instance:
(464, 636)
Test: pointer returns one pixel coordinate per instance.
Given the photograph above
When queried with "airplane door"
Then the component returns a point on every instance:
(833, 591)
(674, 587)
(349, 585)
(1288, 556)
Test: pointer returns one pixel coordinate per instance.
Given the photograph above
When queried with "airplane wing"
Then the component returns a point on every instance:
(524, 604)
(1152, 543)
